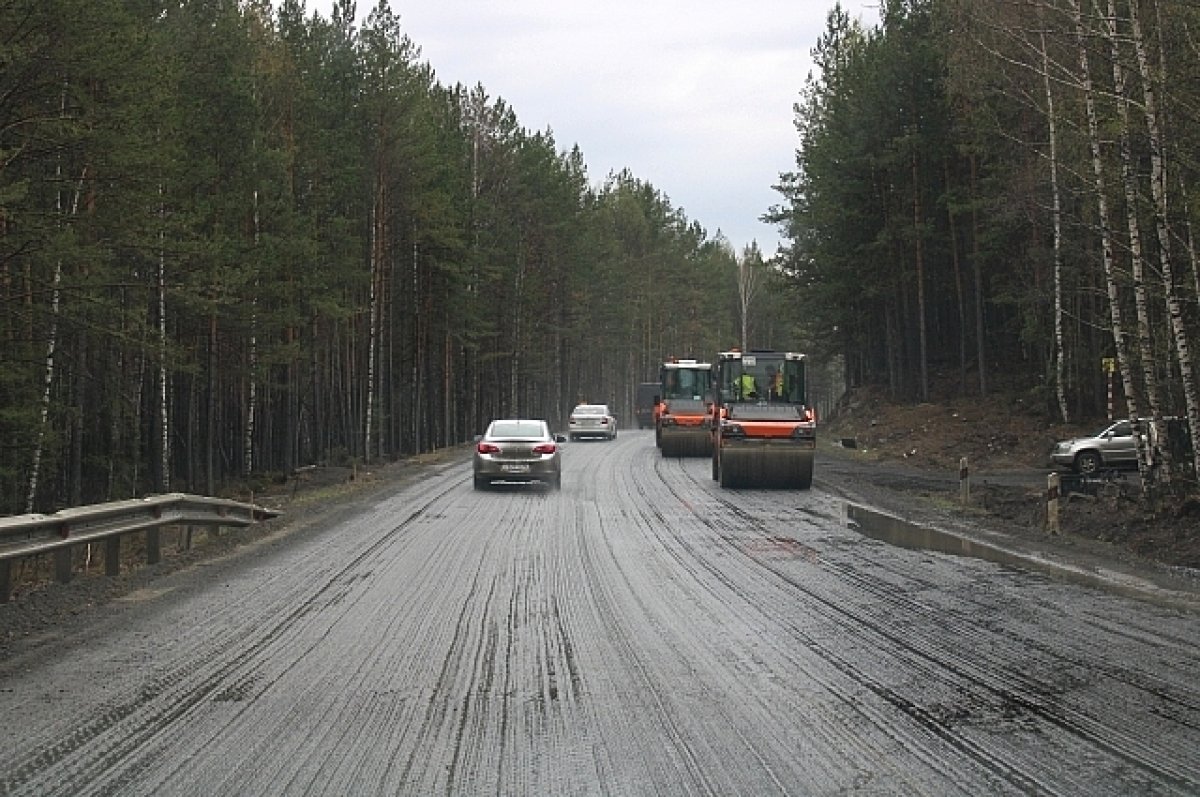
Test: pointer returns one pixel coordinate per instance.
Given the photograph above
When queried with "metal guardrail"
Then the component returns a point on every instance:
(31, 535)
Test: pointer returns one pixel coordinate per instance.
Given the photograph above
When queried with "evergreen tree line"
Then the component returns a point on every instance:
(997, 196)
(238, 239)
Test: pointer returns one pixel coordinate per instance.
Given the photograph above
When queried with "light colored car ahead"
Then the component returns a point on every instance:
(1112, 447)
(518, 450)
(592, 420)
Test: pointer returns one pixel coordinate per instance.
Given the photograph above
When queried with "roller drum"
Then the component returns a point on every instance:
(692, 441)
(762, 466)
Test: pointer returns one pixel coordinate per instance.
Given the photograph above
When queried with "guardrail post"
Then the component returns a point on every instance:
(6, 567)
(153, 546)
(112, 556)
(62, 565)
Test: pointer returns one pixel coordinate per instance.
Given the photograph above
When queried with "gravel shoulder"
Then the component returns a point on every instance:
(1103, 540)
(42, 611)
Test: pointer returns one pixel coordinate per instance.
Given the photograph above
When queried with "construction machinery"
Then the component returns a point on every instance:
(643, 404)
(763, 431)
(681, 417)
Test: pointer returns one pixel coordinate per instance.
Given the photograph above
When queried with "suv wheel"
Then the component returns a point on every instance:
(1087, 463)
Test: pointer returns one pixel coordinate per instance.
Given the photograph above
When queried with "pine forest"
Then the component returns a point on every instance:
(238, 237)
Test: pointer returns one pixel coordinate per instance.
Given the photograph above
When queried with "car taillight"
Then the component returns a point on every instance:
(603, 421)
(487, 448)
(544, 448)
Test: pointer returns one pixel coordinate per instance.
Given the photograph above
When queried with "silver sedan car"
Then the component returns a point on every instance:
(592, 420)
(518, 450)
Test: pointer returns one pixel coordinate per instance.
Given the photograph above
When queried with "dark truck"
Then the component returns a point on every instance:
(643, 404)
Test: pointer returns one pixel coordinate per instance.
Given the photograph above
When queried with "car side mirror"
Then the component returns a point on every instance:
(478, 437)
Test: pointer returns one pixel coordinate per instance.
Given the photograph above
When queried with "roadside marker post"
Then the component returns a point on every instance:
(1053, 492)
(964, 481)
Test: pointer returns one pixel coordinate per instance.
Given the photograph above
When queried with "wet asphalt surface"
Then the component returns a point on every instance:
(639, 632)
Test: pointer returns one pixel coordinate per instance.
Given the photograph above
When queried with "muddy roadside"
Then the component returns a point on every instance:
(916, 451)
(1107, 538)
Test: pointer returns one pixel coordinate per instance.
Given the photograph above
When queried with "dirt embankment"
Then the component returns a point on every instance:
(918, 449)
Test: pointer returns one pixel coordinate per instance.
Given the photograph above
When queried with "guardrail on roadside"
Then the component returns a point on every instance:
(31, 535)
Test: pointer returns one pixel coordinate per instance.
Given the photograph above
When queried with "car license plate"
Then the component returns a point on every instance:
(515, 468)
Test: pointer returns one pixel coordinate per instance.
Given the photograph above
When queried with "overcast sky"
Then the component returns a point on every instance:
(692, 96)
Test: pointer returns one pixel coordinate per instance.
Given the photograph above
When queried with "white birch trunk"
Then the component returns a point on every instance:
(1184, 188)
(1056, 199)
(51, 343)
(747, 287)
(418, 411)
(143, 362)
(1158, 189)
(164, 416)
(1106, 242)
(1145, 340)
(51, 346)
(48, 382)
(1184, 191)
(252, 399)
(373, 322)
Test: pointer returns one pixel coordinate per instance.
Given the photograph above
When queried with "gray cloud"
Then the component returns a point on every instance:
(693, 96)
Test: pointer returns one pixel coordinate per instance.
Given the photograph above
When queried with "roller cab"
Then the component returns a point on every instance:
(682, 417)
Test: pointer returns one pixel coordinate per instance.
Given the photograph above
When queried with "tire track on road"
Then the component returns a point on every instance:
(973, 675)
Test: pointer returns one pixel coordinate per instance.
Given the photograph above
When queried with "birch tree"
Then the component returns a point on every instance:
(48, 383)
(1124, 362)
(749, 269)
(164, 441)
(1145, 342)
(1159, 193)
(64, 216)
(1060, 348)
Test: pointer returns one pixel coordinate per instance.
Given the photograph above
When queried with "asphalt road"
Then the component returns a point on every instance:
(639, 632)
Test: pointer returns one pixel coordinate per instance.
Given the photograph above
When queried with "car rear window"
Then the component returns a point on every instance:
(591, 409)
(517, 429)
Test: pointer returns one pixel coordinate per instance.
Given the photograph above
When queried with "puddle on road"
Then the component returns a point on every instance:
(1160, 588)
(901, 533)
